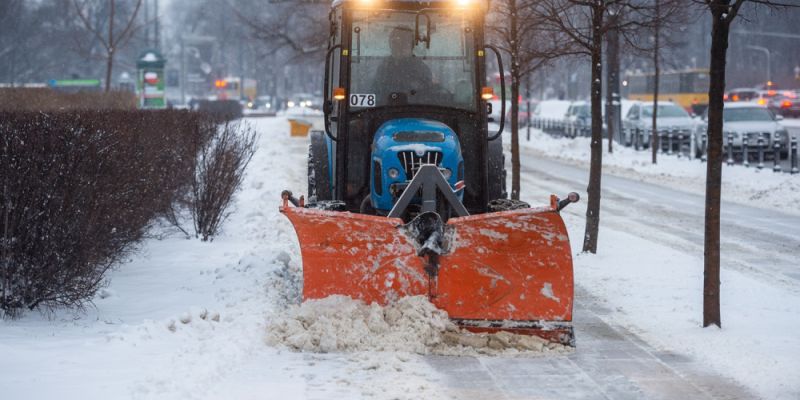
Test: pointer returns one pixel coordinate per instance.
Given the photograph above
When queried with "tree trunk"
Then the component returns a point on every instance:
(719, 49)
(111, 45)
(612, 86)
(596, 162)
(654, 143)
(109, 67)
(515, 82)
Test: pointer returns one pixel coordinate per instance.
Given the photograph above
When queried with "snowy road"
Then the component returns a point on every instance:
(761, 242)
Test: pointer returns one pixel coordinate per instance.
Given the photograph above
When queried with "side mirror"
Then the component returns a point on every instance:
(489, 108)
(779, 117)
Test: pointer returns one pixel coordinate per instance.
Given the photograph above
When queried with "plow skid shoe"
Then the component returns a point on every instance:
(509, 271)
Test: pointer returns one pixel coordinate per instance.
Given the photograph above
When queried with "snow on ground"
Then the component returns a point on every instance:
(188, 320)
(411, 325)
(656, 292)
(655, 288)
(191, 320)
(763, 189)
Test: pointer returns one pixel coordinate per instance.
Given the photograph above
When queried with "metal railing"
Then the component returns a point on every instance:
(688, 144)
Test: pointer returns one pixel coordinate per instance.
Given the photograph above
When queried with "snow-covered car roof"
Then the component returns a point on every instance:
(650, 103)
(743, 104)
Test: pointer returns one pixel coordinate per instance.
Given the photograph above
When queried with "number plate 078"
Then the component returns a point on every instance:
(362, 100)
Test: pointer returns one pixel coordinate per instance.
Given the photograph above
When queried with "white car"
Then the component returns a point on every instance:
(670, 117)
(751, 120)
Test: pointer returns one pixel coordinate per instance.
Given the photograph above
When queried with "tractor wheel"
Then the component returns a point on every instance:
(328, 205)
(497, 170)
(506, 205)
(319, 185)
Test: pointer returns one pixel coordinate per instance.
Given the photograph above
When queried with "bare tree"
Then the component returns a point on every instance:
(302, 27)
(103, 29)
(517, 31)
(666, 13)
(584, 23)
(723, 12)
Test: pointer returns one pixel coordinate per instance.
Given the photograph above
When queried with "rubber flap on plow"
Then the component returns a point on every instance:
(509, 270)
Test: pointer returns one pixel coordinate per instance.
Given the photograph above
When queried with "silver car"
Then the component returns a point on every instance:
(748, 120)
(671, 117)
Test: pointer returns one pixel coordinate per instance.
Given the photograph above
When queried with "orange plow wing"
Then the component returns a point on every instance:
(508, 270)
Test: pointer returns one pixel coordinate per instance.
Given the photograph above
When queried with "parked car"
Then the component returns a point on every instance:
(670, 117)
(741, 94)
(749, 120)
(579, 113)
(789, 103)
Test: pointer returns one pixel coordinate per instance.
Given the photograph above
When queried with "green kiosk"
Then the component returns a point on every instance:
(150, 80)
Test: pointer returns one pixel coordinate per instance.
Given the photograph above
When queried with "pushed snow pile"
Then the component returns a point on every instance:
(412, 324)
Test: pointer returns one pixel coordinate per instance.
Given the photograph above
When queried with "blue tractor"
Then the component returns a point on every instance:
(406, 184)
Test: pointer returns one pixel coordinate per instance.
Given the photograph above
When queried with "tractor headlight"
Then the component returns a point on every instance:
(446, 173)
(393, 173)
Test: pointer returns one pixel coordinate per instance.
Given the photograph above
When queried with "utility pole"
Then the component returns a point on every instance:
(146, 23)
(769, 69)
(158, 22)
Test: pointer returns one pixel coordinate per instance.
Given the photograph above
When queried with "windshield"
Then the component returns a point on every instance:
(746, 114)
(665, 111)
(389, 68)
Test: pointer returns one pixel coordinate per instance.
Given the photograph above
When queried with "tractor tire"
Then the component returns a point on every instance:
(328, 205)
(497, 170)
(319, 185)
(506, 205)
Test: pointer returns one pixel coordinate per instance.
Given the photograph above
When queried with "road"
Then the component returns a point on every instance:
(761, 242)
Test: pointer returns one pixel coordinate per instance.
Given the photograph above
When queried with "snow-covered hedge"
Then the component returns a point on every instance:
(46, 99)
(78, 191)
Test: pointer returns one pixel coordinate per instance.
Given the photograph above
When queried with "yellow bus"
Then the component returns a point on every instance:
(687, 88)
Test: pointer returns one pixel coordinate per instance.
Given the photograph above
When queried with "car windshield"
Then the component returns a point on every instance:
(390, 67)
(665, 111)
(746, 114)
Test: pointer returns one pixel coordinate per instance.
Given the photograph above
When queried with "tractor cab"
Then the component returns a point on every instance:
(405, 86)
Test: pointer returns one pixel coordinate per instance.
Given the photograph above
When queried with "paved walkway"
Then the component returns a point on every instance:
(609, 363)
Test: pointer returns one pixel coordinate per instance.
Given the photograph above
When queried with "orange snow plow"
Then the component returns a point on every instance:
(508, 270)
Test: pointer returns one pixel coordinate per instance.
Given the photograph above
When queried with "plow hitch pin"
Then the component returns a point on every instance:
(287, 196)
(572, 197)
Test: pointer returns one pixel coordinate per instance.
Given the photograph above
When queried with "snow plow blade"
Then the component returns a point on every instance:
(504, 271)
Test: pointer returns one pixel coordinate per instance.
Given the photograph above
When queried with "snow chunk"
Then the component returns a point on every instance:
(411, 324)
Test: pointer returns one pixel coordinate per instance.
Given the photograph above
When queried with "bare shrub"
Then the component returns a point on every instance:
(221, 163)
(78, 190)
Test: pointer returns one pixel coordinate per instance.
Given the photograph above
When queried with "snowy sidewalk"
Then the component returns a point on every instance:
(609, 363)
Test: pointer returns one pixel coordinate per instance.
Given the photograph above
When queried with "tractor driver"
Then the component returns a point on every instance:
(401, 72)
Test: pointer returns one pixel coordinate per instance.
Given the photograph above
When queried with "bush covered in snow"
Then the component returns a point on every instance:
(78, 190)
(221, 163)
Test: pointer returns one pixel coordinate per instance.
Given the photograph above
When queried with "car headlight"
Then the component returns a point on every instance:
(290, 104)
(446, 173)
(393, 173)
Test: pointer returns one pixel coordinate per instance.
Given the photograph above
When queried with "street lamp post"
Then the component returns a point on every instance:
(766, 51)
